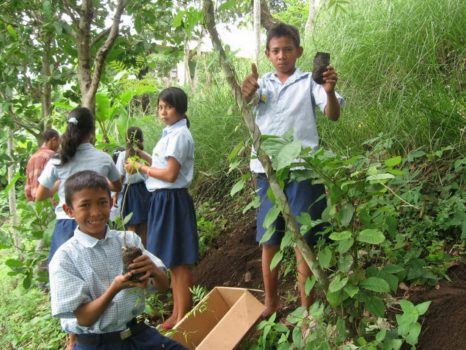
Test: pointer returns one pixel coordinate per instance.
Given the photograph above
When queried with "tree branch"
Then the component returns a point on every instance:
(267, 20)
(100, 36)
(306, 250)
(104, 50)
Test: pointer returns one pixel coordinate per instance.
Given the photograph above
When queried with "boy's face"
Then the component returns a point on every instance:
(91, 210)
(283, 53)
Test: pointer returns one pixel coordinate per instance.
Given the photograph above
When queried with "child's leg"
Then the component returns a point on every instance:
(303, 273)
(142, 232)
(171, 321)
(183, 283)
(270, 277)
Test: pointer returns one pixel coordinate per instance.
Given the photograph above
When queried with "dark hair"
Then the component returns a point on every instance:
(282, 29)
(134, 140)
(86, 179)
(49, 134)
(177, 98)
(81, 125)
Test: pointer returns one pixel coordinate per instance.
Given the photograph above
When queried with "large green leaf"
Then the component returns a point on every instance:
(288, 154)
(337, 283)
(371, 236)
(325, 256)
(375, 284)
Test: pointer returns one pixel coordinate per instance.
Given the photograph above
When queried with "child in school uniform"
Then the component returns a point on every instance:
(76, 154)
(135, 197)
(286, 100)
(172, 232)
(90, 293)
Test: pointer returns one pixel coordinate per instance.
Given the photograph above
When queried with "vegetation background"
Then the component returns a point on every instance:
(401, 68)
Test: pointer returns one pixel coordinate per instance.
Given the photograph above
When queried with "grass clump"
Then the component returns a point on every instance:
(25, 318)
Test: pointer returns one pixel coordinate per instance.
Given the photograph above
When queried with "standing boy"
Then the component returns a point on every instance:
(286, 101)
(89, 291)
(37, 162)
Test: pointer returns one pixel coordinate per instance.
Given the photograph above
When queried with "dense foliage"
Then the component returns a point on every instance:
(393, 165)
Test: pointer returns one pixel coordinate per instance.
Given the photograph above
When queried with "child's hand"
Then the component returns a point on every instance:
(123, 282)
(330, 79)
(250, 85)
(132, 166)
(143, 264)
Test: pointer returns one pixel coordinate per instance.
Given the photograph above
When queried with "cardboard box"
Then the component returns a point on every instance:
(219, 321)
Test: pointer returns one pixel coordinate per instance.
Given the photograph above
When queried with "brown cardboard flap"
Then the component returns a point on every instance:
(219, 321)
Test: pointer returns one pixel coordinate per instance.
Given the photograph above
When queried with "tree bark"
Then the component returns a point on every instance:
(306, 250)
(310, 18)
(267, 20)
(88, 76)
(257, 29)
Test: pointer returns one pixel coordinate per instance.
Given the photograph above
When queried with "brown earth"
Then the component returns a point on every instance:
(235, 261)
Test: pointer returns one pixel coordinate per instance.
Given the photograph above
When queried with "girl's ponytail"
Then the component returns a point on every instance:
(80, 126)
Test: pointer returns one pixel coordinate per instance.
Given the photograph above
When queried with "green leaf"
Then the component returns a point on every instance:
(12, 263)
(380, 177)
(288, 154)
(375, 306)
(393, 269)
(351, 290)
(339, 236)
(276, 259)
(393, 161)
(325, 256)
(237, 187)
(371, 236)
(345, 262)
(345, 245)
(346, 214)
(375, 284)
(413, 335)
(422, 308)
(334, 299)
(271, 216)
(310, 282)
(337, 284)
(12, 31)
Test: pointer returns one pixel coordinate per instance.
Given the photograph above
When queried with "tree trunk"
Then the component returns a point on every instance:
(267, 20)
(46, 98)
(257, 30)
(310, 18)
(306, 250)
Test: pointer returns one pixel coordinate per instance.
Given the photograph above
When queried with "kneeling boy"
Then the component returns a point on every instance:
(89, 292)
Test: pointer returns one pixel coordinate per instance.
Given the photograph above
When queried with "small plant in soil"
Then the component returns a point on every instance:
(321, 61)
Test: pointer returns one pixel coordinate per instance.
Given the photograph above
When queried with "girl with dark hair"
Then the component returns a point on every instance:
(171, 226)
(136, 197)
(76, 154)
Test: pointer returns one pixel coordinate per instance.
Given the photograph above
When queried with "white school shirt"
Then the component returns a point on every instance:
(82, 269)
(176, 142)
(282, 107)
(87, 157)
(129, 178)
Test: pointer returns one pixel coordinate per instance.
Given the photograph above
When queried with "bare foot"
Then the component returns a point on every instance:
(269, 310)
(169, 322)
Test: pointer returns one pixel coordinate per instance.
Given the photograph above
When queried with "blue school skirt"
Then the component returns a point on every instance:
(136, 202)
(63, 231)
(172, 227)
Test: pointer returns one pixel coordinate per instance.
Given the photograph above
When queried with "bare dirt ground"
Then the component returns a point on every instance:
(235, 261)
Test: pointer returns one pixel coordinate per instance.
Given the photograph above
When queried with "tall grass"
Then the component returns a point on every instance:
(401, 69)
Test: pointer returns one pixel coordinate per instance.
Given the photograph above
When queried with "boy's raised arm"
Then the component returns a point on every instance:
(332, 109)
(250, 84)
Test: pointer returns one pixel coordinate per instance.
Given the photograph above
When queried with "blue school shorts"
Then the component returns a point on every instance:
(172, 227)
(63, 231)
(301, 197)
(137, 202)
(148, 339)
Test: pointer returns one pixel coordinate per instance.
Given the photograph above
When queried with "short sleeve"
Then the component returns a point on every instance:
(49, 175)
(120, 163)
(67, 289)
(113, 173)
(320, 97)
(178, 147)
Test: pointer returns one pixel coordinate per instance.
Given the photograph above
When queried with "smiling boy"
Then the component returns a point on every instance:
(286, 101)
(89, 292)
